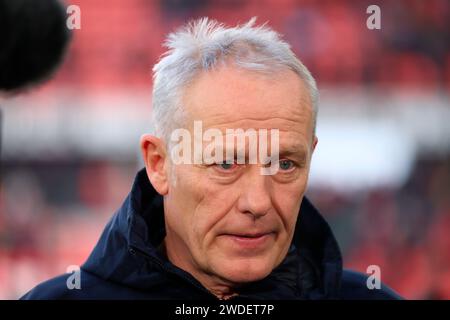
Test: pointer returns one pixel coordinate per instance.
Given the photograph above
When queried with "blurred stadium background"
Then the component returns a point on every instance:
(381, 172)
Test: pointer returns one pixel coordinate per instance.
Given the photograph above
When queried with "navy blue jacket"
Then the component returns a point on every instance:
(126, 264)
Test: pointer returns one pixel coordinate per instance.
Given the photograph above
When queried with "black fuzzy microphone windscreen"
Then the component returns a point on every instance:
(33, 40)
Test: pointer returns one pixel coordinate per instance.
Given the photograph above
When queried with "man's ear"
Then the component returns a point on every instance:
(154, 154)
(314, 143)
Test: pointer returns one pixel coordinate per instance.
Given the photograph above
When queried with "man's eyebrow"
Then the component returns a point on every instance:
(298, 151)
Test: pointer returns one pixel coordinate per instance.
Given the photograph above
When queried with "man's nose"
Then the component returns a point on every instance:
(255, 198)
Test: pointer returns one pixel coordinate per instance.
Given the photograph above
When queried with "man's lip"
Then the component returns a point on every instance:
(248, 235)
(249, 241)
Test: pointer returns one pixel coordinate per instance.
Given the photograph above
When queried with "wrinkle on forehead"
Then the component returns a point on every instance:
(280, 123)
(228, 99)
(216, 113)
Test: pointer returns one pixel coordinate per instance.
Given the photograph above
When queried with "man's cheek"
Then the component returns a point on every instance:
(203, 226)
(289, 199)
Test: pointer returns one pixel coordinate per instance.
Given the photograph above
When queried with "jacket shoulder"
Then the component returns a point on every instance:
(91, 287)
(354, 287)
(55, 288)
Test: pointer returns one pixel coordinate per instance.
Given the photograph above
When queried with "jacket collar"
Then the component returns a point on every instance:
(312, 268)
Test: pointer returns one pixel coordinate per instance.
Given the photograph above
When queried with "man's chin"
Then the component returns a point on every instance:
(244, 271)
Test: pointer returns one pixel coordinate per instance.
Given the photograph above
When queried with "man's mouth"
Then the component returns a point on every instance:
(249, 240)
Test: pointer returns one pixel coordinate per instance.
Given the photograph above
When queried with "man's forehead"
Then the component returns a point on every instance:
(226, 99)
(290, 131)
(283, 117)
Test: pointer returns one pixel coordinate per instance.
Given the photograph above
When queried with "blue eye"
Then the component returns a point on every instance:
(286, 165)
(226, 166)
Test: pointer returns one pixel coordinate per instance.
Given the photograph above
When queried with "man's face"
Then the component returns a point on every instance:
(229, 221)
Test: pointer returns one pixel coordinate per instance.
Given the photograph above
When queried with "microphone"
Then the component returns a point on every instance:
(33, 41)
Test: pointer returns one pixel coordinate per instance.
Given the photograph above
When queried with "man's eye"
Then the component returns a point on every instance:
(286, 165)
(226, 166)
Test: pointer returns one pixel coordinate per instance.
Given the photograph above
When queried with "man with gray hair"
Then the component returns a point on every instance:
(203, 220)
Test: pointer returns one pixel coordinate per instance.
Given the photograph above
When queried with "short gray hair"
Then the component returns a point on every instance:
(200, 46)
